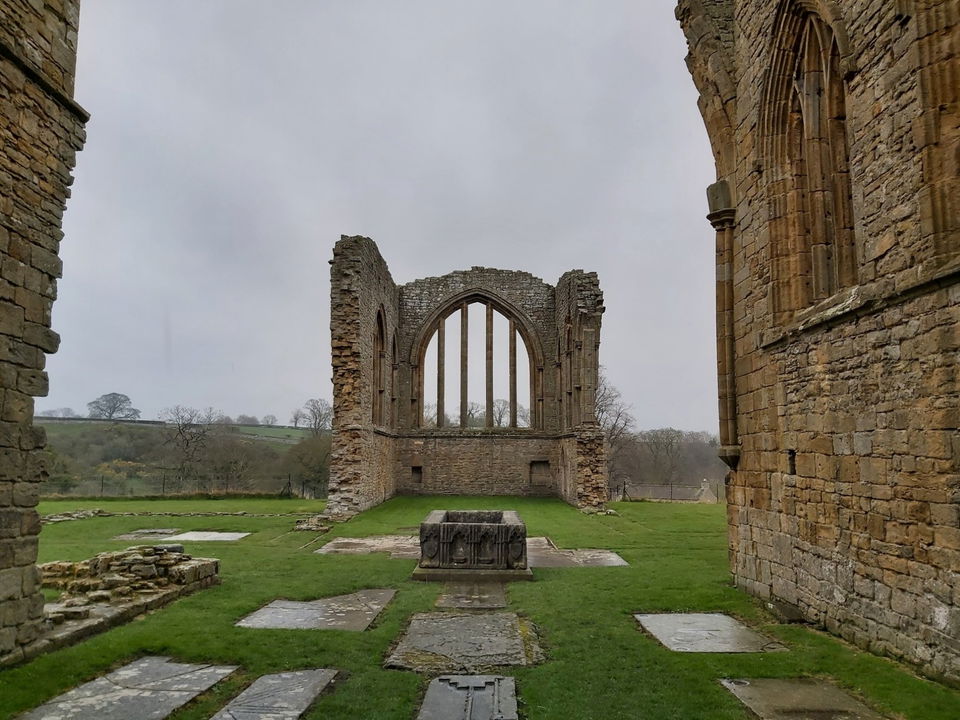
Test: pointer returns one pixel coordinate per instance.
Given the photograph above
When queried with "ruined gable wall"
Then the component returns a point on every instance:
(844, 505)
(361, 464)
(41, 129)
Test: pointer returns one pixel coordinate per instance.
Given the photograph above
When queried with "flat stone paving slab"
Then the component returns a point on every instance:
(281, 696)
(705, 632)
(148, 534)
(343, 612)
(200, 536)
(148, 689)
(798, 699)
(470, 697)
(541, 552)
(465, 642)
(399, 546)
(473, 595)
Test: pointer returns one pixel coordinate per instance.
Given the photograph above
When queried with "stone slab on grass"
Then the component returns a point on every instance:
(470, 697)
(205, 536)
(343, 612)
(148, 689)
(148, 534)
(541, 552)
(281, 696)
(406, 547)
(705, 632)
(473, 595)
(465, 643)
(798, 699)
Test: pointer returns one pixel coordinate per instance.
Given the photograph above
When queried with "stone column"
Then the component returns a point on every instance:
(441, 370)
(489, 422)
(723, 218)
(513, 374)
(464, 354)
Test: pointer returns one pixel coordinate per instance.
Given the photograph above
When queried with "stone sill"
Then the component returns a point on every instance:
(862, 300)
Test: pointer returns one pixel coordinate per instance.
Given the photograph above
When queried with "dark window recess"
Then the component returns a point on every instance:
(792, 462)
(416, 474)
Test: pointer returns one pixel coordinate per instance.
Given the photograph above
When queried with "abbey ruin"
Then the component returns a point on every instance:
(835, 127)
(383, 441)
(836, 132)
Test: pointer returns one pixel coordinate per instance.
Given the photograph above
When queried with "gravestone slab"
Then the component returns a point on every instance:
(470, 697)
(281, 696)
(399, 546)
(473, 595)
(465, 642)
(705, 632)
(798, 699)
(148, 689)
(343, 612)
(148, 534)
(202, 536)
(541, 552)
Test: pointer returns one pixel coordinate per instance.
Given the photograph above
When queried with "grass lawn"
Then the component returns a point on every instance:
(598, 665)
(268, 431)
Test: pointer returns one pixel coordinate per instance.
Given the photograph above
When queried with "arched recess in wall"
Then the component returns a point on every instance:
(805, 148)
(523, 360)
(378, 397)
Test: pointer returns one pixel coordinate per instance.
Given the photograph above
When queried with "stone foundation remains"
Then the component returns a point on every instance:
(384, 443)
(110, 589)
(835, 128)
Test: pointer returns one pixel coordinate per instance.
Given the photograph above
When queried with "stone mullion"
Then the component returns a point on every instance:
(464, 364)
(489, 417)
(441, 371)
(513, 374)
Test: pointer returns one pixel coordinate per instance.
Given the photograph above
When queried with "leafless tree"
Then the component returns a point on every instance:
(664, 446)
(319, 415)
(616, 421)
(476, 415)
(186, 434)
(113, 406)
(59, 413)
(247, 420)
(501, 413)
(297, 416)
(269, 420)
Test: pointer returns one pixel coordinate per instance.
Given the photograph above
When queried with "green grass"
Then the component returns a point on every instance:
(268, 431)
(598, 664)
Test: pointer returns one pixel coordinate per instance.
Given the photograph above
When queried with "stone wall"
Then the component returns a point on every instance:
(485, 463)
(839, 416)
(41, 129)
(377, 453)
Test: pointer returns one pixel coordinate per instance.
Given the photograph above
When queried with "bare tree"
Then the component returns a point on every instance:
(113, 406)
(616, 421)
(269, 420)
(476, 415)
(319, 415)
(664, 446)
(297, 416)
(59, 413)
(187, 432)
(247, 420)
(501, 413)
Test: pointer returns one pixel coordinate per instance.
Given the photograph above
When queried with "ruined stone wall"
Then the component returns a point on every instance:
(41, 130)
(361, 459)
(844, 505)
(579, 308)
(370, 463)
(488, 463)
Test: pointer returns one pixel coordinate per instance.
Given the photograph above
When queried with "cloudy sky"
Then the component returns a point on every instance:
(233, 141)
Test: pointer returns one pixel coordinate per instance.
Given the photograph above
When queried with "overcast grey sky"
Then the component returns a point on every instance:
(233, 141)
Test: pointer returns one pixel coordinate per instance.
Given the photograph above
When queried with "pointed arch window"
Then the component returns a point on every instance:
(811, 219)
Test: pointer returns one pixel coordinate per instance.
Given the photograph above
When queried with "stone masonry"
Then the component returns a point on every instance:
(380, 332)
(835, 128)
(41, 129)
